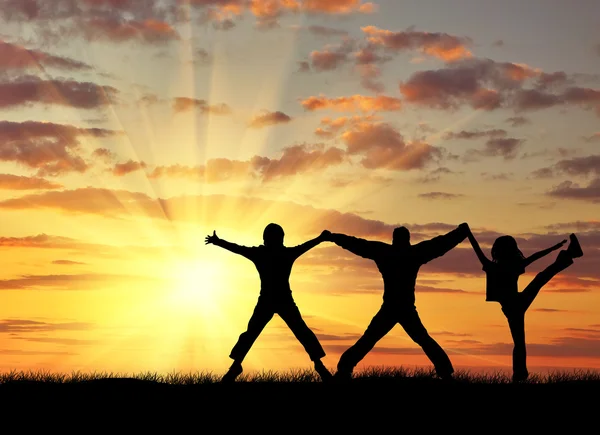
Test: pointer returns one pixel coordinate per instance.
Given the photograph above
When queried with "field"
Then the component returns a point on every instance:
(373, 396)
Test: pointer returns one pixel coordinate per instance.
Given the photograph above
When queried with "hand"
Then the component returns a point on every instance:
(558, 245)
(325, 235)
(211, 239)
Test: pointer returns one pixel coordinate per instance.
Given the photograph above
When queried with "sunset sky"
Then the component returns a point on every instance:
(132, 129)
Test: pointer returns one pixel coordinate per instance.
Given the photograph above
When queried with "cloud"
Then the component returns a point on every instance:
(593, 138)
(270, 118)
(19, 182)
(16, 57)
(52, 149)
(489, 85)
(549, 310)
(268, 12)
(557, 348)
(435, 175)
(498, 147)
(496, 177)
(67, 262)
(96, 20)
(294, 160)
(354, 103)
(464, 134)
(518, 121)
(440, 45)
(182, 104)
(43, 241)
(75, 282)
(116, 29)
(575, 226)
(440, 195)
(127, 167)
(570, 190)
(20, 326)
(26, 90)
(578, 166)
(326, 31)
(382, 146)
(429, 289)
(330, 127)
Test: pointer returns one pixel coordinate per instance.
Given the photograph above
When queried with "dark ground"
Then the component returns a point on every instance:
(286, 407)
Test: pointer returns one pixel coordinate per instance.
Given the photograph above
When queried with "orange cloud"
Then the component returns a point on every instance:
(270, 118)
(116, 30)
(127, 167)
(330, 127)
(182, 104)
(19, 182)
(380, 103)
(441, 45)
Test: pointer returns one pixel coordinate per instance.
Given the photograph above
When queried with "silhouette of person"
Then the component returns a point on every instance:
(399, 265)
(502, 275)
(274, 263)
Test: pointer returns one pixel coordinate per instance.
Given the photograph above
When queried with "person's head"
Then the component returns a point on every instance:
(273, 235)
(505, 249)
(401, 237)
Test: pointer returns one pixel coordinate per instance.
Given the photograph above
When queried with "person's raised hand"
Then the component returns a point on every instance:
(211, 239)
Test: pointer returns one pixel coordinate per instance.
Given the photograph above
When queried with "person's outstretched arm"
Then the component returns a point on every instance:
(361, 247)
(543, 253)
(308, 245)
(427, 250)
(244, 251)
(482, 258)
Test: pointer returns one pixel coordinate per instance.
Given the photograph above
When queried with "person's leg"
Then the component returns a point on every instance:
(380, 325)
(290, 314)
(515, 314)
(410, 321)
(263, 313)
(528, 295)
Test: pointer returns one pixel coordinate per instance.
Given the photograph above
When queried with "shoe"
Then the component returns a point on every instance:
(234, 371)
(574, 247)
(322, 371)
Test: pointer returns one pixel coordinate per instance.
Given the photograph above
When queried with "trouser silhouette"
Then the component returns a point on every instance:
(288, 311)
(382, 323)
(515, 308)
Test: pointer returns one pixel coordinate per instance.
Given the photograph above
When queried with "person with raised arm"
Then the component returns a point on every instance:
(502, 275)
(274, 263)
(399, 265)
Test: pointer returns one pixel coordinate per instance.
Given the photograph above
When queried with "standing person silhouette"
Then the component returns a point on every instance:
(502, 275)
(274, 263)
(399, 265)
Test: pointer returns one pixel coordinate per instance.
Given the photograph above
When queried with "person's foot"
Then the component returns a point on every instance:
(322, 371)
(234, 371)
(520, 377)
(447, 377)
(342, 375)
(574, 248)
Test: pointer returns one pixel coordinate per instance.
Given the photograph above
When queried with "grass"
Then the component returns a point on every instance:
(380, 375)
